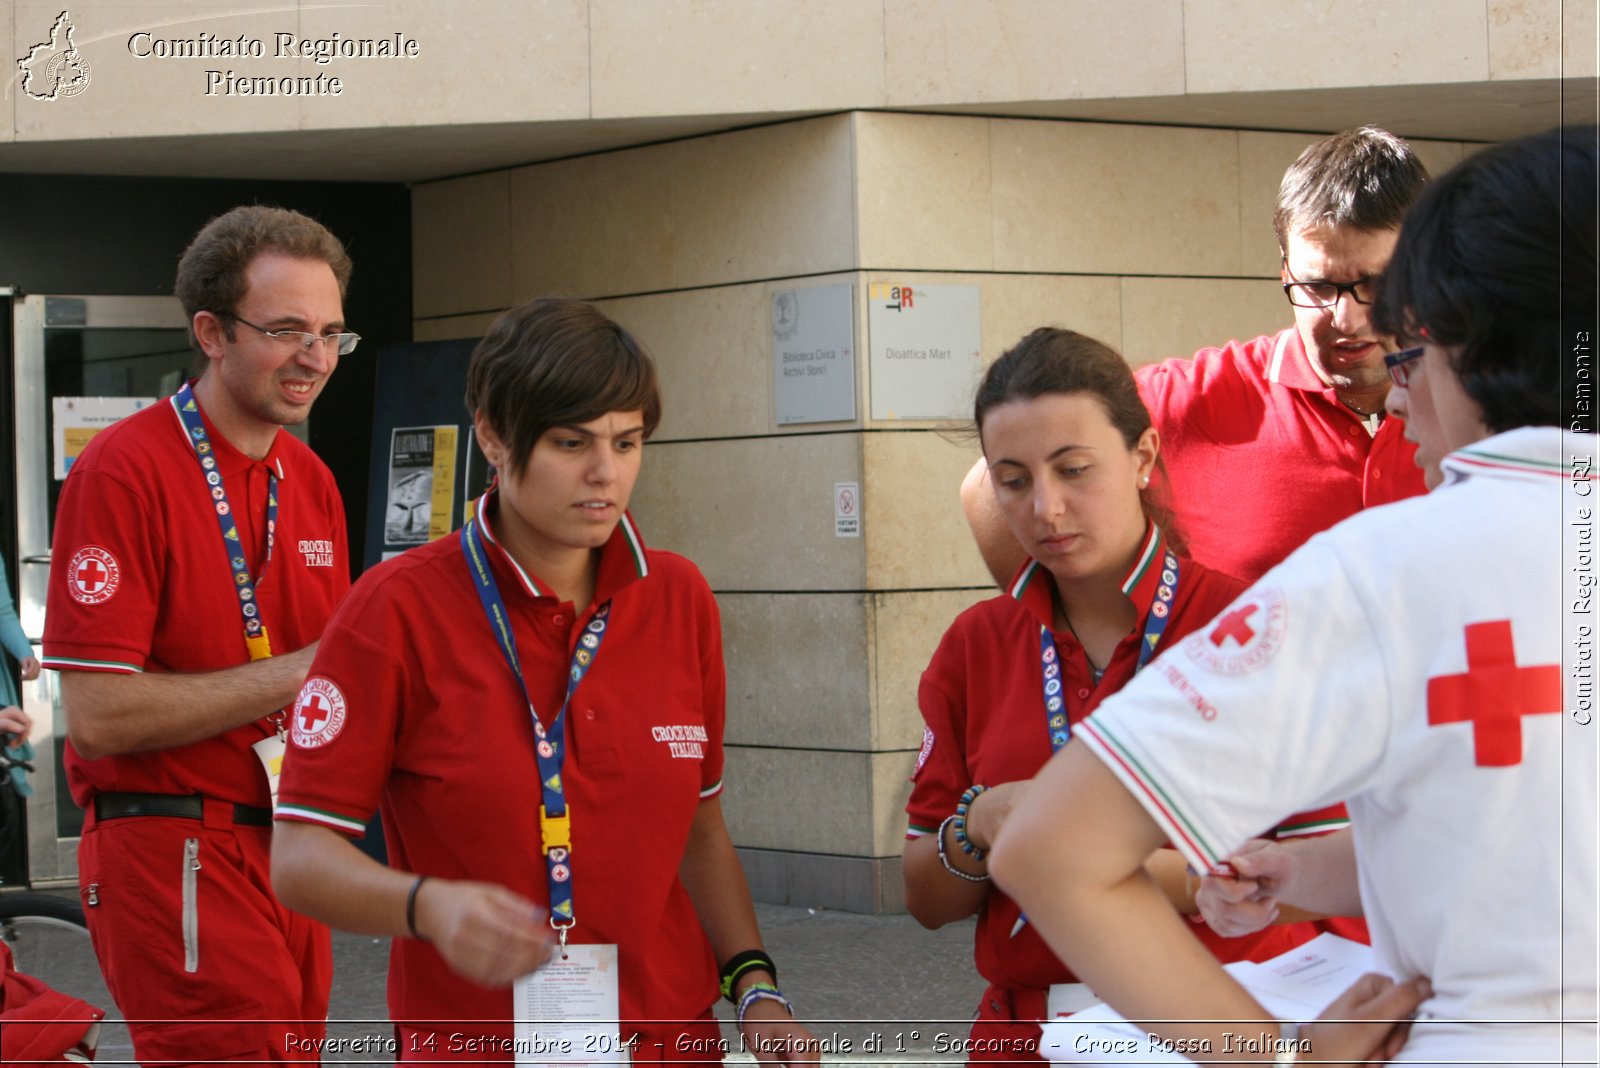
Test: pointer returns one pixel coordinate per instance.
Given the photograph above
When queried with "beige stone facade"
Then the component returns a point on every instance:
(1156, 239)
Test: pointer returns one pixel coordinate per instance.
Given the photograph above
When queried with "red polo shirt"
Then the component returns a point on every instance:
(140, 581)
(1261, 454)
(411, 708)
(982, 698)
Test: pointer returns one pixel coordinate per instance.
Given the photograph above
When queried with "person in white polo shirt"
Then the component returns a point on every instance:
(1411, 660)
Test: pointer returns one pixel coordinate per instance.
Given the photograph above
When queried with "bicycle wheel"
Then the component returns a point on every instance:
(49, 941)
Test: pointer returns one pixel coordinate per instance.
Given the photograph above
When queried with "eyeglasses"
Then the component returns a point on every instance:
(343, 343)
(1399, 365)
(1325, 294)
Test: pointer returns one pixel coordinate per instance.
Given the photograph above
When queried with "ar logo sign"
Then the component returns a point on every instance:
(895, 298)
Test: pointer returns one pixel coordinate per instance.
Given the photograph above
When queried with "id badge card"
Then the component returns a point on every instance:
(567, 1010)
(269, 751)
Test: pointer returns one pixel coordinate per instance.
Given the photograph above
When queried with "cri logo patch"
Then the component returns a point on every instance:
(1244, 637)
(318, 713)
(93, 575)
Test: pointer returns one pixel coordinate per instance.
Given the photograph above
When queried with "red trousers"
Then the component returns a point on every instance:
(201, 958)
(1006, 1029)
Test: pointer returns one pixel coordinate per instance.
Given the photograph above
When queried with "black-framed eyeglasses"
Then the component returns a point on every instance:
(1325, 294)
(1399, 365)
(344, 343)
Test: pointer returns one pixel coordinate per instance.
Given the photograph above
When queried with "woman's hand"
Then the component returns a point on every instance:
(990, 810)
(14, 720)
(775, 1037)
(485, 932)
(30, 668)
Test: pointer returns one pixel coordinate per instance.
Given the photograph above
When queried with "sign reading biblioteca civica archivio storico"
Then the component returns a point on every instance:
(219, 79)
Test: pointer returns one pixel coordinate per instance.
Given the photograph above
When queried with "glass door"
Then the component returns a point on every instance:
(77, 362)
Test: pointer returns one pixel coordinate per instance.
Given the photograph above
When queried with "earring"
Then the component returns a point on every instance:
(1144, 482)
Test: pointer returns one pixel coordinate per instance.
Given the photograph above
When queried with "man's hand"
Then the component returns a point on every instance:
(1247, 901)
(485, 932)
(30, 668)
(1368, 1022)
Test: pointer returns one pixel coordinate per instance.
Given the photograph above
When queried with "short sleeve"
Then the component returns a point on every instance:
(1279, 706)
(347, 718)
(106, 577)
(941, 773)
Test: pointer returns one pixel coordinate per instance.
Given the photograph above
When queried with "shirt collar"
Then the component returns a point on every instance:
(622, 558)
(1530, 452)
(1290, 366)
(230, 461)
(1033, 589)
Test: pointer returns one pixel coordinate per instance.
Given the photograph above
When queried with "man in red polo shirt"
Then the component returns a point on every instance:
(1267, 442)
(199, 550)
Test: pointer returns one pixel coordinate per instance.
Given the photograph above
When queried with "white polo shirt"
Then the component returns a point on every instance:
(1410, 661)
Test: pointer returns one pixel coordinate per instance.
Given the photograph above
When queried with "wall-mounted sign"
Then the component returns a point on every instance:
(813, 355)
(422, 484)
(847, 509)
(77, 419)
(924, 342)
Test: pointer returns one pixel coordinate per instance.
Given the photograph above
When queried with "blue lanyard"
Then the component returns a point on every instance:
(555, 825)
(1155, 625)
(256, 639)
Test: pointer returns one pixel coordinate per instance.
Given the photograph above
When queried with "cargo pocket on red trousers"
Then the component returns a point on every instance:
(235, 1033)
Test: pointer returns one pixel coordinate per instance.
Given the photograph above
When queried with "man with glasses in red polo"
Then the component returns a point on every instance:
(1267, 442)
(199, 551)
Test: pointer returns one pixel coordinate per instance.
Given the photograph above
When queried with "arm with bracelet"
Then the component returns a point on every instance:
(715, 880)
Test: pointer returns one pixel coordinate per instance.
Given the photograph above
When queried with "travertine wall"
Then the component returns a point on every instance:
(553, 61)
(1156, 239)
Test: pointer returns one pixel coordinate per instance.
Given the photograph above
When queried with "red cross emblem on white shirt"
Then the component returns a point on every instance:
(1235, 625)
(1493, 694)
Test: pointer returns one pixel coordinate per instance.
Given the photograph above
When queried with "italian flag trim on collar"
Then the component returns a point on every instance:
(488, 533)
(1147, 556)
(1502, 462)
(625, 528)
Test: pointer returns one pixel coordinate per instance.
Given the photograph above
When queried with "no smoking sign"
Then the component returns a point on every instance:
(847, 509)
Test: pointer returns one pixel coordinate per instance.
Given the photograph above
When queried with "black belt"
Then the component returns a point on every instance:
(183, 806)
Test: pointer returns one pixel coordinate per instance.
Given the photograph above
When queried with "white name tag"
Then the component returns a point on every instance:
(567, 1010)
(269, 751)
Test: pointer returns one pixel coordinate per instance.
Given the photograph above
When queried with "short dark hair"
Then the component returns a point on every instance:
(211, 272)
(1053, 360)
(1364, 179)
(557, 362)
(1498, 258)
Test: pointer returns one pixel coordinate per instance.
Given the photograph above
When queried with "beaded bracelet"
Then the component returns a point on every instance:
(968, 796)
(945, 860)
(743, 962)
(761, 992)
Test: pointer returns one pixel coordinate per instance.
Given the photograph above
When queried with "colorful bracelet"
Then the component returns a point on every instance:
(411, 907)
(968, 796)
(743, 962)
(761, 992)
(945, 859)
